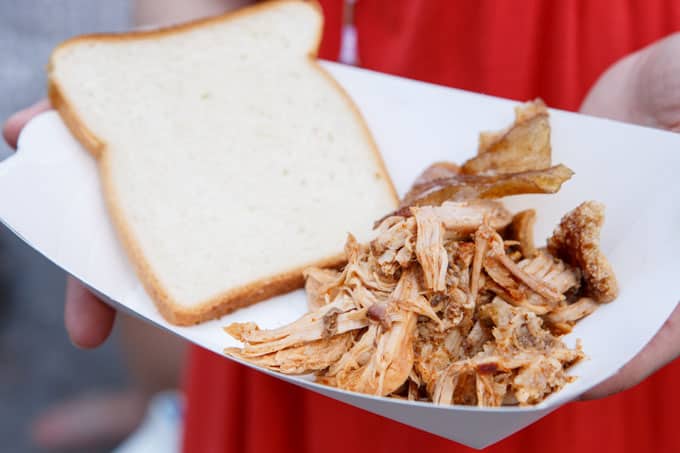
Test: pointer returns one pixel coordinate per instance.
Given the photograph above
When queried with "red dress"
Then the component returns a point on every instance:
(515, 49)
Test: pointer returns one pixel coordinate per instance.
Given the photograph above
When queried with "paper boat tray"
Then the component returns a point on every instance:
(50, 197)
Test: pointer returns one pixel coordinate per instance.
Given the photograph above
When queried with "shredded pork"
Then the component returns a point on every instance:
(432, 311)
(452, 302)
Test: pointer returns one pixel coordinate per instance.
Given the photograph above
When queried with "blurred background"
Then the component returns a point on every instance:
(39, 368)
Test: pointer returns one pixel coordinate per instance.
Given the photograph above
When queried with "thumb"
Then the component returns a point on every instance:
(642, 88)
(661, 350)
(16, 122)
(658, 83)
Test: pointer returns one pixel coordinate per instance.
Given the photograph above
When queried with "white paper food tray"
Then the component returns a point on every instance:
(50, 197)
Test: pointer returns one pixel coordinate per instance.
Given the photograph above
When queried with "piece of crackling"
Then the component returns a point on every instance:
(470, 187)
(576, 240)
(522, 147)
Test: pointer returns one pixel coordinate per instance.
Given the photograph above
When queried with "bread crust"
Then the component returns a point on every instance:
(234, 298)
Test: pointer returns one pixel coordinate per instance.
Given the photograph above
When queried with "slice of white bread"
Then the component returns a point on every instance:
(229, 159)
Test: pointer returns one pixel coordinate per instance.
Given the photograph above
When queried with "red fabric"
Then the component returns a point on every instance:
(514, 49)
(234, 409)
(329, 48)
(519, 49)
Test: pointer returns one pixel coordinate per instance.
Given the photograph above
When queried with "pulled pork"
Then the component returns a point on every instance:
(437, 307)
(452, 302)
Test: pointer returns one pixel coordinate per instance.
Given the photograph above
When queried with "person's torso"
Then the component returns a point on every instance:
(516, 49)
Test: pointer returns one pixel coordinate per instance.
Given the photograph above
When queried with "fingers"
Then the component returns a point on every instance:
(657, 94)
(16, 122)
(661, 350)
(88, 320)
